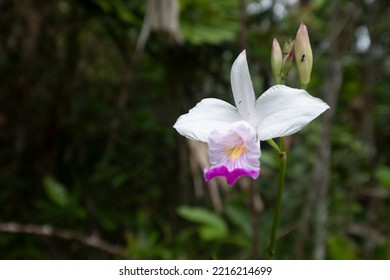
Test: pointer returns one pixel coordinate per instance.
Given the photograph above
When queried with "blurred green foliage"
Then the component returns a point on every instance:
(87, 142)
(209, 22)
(213, 227)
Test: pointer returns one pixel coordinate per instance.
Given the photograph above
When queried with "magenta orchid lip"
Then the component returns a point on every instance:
(231, 176)
(234, 153)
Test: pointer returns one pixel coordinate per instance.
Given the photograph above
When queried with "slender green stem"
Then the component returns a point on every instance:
(278, 206)
(274, 145)
(282, 144)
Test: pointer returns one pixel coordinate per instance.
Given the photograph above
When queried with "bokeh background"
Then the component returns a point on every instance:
(91, 168)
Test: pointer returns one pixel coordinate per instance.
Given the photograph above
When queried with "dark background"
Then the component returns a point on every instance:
(91, 168)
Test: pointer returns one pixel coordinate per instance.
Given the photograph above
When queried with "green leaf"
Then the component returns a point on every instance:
(208, 233)
(202, 216)
(119, 180)
(341, 248)
(104, 5)
(383, 176)
(240, 218)
(212, 225)
(208, 33)
(55, 191)
(211, 22)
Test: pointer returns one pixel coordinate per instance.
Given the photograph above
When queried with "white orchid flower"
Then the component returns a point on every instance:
(234, 133)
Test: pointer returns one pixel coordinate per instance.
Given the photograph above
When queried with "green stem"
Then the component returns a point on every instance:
(274, 145)
(278, 206)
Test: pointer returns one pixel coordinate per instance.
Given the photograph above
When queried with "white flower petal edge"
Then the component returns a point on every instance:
(242, 88)
(282, 111)
(208, 115)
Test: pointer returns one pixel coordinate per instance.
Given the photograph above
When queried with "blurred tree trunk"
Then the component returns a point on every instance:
(372, 65)
(320, 183)
(161, 15)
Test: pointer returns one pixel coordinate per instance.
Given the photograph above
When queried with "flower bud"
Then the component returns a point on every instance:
(288, 54)
(303, 55)
(276, 60)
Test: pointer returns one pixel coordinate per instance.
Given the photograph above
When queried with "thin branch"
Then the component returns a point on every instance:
(48, 230)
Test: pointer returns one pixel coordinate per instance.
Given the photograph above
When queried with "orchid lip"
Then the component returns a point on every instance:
(231, 176)
(234, 153)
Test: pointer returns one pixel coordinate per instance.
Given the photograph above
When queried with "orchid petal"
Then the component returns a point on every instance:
(242, 88)
(282, 111)
(208, 115)
(234, 153)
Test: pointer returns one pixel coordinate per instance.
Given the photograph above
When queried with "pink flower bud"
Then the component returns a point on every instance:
(288, 55)
(303, 55)
(276, 60)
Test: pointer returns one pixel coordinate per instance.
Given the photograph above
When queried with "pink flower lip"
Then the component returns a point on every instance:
(231, 176)
(234, 153)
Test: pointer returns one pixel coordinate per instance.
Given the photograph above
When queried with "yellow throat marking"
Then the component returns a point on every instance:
(236, 151)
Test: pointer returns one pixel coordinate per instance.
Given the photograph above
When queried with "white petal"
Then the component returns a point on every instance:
(206, 116)
(282, 111)
(242, 88)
